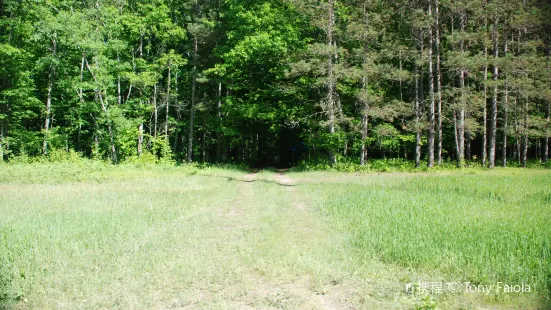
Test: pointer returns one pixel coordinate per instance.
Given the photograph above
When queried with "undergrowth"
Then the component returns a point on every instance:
(395, 165)
(60, 166)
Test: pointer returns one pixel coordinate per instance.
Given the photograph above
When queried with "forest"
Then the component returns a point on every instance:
(274, 83)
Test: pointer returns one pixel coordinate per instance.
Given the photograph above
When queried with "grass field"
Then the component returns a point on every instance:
(97, 236)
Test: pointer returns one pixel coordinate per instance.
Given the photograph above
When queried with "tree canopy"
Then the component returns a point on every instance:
(276, 82)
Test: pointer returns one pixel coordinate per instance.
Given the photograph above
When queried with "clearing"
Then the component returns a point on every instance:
(182, 238)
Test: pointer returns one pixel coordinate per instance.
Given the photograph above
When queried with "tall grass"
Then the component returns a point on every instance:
(70, 234)
(481, 228)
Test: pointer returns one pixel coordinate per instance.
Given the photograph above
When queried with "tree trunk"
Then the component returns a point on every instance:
(422, 81)
(400, 78)
(193, 102)
(546, 142)
(548, 112)
(365, 110)
(420, 103)
(468, 140)
(519, 156)
(439, 82)
(363, 158)
(1, 140)
(538, 150)
(432, 116)
(155, 110)
(204, 140)
(140, 139)
(109, 129)
(119, 95)
(456, 136)
(505, 113)
(485, 113)
(493, 127)
(218, 133)
(517, 134)
(417, 120)
(461, 124)
(48, 112)
(80, 91)
(178, 114)
(49, 101)
(167, 103)
(330, 104)
(140, 48)
(130, 87)
(104, 107)
(525, 136)
(129, 92)
(81, 99)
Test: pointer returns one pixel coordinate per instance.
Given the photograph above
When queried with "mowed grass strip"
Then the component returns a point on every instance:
(482, 228)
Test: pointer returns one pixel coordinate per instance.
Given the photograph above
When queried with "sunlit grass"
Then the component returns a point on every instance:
(479, 227)
(103, 242)
(93, 235)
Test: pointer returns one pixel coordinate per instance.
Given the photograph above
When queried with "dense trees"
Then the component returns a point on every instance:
(271, 82)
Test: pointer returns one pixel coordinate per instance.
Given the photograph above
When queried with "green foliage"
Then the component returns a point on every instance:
(145, 159)
(395, 165)
(387, 138)
(481, 228)
(61, 156)
(267, 73)
(347, 165)
(427, 303)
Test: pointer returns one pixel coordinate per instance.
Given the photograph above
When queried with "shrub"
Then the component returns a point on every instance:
(145, 159)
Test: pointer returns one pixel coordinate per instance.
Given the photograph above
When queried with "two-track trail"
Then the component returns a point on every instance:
(281, 245)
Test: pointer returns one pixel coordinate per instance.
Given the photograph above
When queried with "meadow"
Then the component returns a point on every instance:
(92, 235)
(477, 227)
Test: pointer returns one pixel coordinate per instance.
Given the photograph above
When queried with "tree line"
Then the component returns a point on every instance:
(251, 81)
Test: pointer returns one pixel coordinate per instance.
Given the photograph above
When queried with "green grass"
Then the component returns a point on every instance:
(93, 235)
(72, 244)
(482, 227)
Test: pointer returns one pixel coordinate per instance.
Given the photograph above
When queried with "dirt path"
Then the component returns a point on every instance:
(270, 248)
(270, 253)
(335, 296)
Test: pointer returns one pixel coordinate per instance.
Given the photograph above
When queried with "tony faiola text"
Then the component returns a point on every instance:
(468, 287)
(498, 288)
